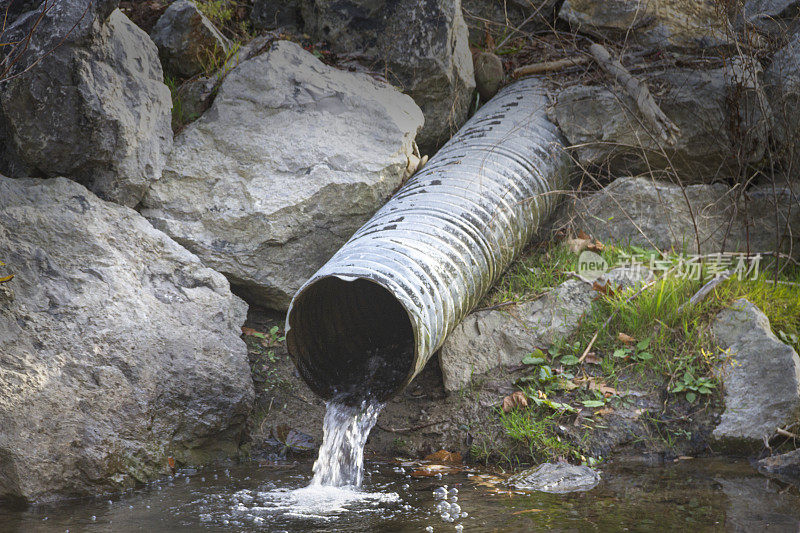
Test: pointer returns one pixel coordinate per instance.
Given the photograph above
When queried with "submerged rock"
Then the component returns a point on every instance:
(290, 160)
(421, 46)
(760, 377)
(720, 113)
(658, 214)
(786, 465)
(556, 478)
(94, 108)
(118, 348)
(187, 41)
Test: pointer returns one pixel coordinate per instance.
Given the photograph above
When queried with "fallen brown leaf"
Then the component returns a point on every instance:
(596, 247)
(249, 331)
(512, 401)
(592, 359)
(443, 457)
(625, 338)
(604, 411)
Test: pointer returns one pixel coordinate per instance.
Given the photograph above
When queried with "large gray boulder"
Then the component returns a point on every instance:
(187, 41)
(782, 80)
(760, 377)
(290, 160)
(85, 100)
(666, 24)
(422, 47)
(488, 339)
(720, 113)
(658, 214)
(119, 348)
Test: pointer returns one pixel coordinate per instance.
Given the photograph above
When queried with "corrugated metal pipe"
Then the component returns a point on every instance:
(367, 322)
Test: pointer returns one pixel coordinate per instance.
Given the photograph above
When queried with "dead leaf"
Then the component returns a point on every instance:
(432, 470)
(624, 338)
(576, 246)
(606, 390)
(528, 511)
(596, 247)
(604, 411)
(592, 359)
(171, 462)
(605, 288)
(512, 401)
(443, 457)
(6, 279)
(249, 331)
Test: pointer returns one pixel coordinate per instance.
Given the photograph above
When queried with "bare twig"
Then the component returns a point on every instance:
(648, 107)
(705, 290)
(550, 66)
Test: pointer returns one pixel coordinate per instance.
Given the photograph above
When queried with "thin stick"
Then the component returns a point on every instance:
(550, 66)
(612, 315)
(705, 290)
(637, 90)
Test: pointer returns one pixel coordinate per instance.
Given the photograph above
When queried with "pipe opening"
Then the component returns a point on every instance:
(351, 340)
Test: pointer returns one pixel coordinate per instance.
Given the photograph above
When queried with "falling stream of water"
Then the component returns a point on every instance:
(341, 457)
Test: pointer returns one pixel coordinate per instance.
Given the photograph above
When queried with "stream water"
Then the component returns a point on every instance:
(697, 495)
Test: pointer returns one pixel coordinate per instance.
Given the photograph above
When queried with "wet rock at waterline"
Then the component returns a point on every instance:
(557, 478)
(720, 112)
(187, 41)
(290, 160)
(760, 377)
(421, 46)
(785, 466)
(118, 348)
(94, 109)
(665, 24)
(487, 339)
(659, 214)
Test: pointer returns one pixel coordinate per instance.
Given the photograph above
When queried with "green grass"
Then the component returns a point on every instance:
(673, 346)
(533, 429)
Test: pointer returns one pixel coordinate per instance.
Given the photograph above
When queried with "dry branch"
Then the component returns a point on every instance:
(637, 90)
(550, 66)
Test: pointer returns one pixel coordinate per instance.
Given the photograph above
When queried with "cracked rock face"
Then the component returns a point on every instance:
(761, 377)
(290, 160)
(92, 106)
(118, 348)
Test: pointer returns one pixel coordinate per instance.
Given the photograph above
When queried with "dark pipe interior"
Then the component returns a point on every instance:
(350, 340)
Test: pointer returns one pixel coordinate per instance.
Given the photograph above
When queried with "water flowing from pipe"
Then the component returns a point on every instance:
(345, 430)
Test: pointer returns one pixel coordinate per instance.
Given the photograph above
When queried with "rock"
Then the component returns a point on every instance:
(488, 74)
(276, 14)
(290, 160)
(757, 504)
(94, 109)
(187, 41)
(786, 465)
(719, 114)
(423, 46)
(119, 348)
(660, 23)
(782, 80)
(196, 96)
(556, 478)
(488, 339)
(501, 14)
(656, 214)
(777, 18)
(761, 377)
